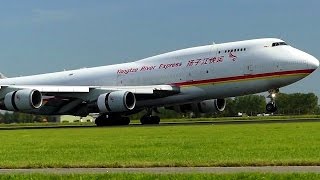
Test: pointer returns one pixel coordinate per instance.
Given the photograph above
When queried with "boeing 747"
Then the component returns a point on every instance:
(196, 79)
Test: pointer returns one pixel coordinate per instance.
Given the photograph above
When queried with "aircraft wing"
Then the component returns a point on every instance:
(65, 99)
(52, 89)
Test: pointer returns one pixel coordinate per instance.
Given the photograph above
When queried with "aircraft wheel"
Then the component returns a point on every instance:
(144, 119)
(124, 121)
(155, 119)
(99, 121)
(117, 120)
(103, 120)
(271, 107)
(150, 119)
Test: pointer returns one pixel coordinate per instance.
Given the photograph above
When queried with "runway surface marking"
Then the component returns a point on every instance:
(166, 170)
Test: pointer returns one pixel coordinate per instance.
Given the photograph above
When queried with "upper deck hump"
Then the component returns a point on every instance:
(206, 48)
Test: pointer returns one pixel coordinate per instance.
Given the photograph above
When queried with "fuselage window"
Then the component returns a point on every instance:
(279, 44)
(235, 50)
(242, 49)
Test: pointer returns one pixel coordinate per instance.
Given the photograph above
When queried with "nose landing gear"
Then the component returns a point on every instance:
(271, 106)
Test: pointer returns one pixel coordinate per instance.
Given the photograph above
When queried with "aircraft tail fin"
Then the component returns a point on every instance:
(2, 76)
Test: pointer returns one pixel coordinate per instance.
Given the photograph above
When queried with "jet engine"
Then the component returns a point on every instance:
(212, 105)
(26, 99)
(207, 106)
(117, 101)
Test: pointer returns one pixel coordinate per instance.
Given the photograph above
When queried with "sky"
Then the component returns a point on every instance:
(39, 36)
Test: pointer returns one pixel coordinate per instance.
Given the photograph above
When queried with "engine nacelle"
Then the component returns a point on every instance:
(207, 106)
(26, 99)
(212, 105)
(117, 101)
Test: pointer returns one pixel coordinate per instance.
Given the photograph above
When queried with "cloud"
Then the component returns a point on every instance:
(45, 16)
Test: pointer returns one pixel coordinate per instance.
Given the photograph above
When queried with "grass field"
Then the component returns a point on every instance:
(250, 176)
(147, 146)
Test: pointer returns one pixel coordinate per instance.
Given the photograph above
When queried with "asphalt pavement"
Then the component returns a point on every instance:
(177, 123)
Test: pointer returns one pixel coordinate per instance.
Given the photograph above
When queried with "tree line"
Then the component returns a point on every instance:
(288, 104)
(16, 117)
(252, 105)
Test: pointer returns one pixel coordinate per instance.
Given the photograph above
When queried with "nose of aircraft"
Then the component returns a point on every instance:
(305, 59)
(313, 63)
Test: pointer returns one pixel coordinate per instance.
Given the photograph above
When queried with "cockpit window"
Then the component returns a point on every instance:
(278, 44)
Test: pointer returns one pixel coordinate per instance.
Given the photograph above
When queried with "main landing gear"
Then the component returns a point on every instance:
(117, 119)
(149, 119)
(146, 119)
(271, 106)
(111, 120)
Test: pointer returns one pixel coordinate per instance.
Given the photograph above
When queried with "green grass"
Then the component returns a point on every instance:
(147, 146)
(250, 176)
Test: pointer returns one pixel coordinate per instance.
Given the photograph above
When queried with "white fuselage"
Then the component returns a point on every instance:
(206, 72)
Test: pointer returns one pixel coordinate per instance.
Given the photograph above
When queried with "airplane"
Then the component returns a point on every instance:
(196, 79)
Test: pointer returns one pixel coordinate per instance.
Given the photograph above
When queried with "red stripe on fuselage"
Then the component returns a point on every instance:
(244, 77)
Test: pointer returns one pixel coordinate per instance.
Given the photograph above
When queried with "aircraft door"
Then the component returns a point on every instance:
(249, 66)
(121, 81)
(248, 69)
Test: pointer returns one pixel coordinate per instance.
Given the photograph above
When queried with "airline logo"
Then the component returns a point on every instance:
(232, 56)
(190, 63)
(149, 68)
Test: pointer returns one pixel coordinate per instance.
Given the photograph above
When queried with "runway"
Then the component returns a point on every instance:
(169, 170)
(214, 122)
